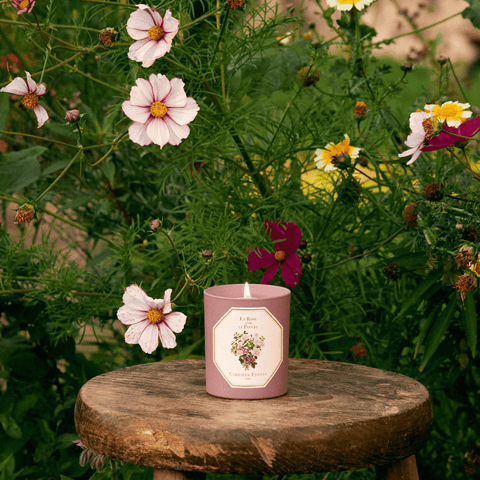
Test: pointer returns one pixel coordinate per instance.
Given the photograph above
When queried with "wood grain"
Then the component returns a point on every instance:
(335, 416)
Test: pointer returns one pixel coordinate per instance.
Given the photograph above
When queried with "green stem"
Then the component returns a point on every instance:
(458, 82)
(65, 170)
(51, 25)
(418, 30)
(39, 138)
(199, 19)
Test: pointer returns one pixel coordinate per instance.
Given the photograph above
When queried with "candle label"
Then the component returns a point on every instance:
(248, 347)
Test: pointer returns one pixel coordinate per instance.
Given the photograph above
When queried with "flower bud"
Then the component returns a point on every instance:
(306, 258)
(360, 111)
(309, 76)
(407, 67)
(155, 224)
(303, 245)
(442, 60)
(72, 115)
(24, 214)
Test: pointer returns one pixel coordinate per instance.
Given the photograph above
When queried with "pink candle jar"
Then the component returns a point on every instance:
(246, 340)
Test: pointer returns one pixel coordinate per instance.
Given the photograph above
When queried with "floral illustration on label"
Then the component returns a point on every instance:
(247, 348)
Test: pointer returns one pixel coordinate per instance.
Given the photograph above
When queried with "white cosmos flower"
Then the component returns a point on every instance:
(149, 319)
(349, 4)
(153, 34)
(30, 91)
(417, 138)
(160, 110)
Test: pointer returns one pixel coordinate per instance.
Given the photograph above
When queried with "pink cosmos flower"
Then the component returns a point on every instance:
(287, 239)
(160, 110)
(469, 128)
(417, 138)
(153, 33)
(149, 319)
(23, 6)
(30, 92)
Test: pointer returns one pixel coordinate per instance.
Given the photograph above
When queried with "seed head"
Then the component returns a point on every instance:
(470, 234)
(234, 4)
(309, 76)
(24, 214)
(466, 283)
(433, 191)
(108, 36)
(392, 271)
(410, 216)
(464, 257)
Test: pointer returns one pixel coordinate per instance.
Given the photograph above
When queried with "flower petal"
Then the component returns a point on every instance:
(135, 47)
(140, 20)
(175, 321)
(134, 332)
(142, 94)
(31, 84)
(128, 315)
(185, 114)
(294, 237)
(41, 114)
(17, 86)
(158, 132)
(170, 24)
(161, 86)
(293, 261)
(177, 132)
(149, 338)
(167, 337)
(177, 96)
(136, 113)
(270, 273)
(260, 258)
(138, 134)
(135, 297)
(290, 276)
(167, 306)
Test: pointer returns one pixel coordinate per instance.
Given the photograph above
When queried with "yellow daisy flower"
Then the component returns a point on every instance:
(349, 4)
(330, 156)
(452, 113)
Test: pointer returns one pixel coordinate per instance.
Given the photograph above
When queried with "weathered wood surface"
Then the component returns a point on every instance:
(335, 416)
(405, 469)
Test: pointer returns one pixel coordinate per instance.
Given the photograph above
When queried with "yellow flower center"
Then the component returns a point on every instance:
(347, 2)
(30, 100)
(449, 111)
(280, 256)
(155, 33)
(155, 316)
(24, 4)
(158, 109)
(335, 152)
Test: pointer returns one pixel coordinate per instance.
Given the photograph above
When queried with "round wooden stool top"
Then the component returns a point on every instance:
(335, 416)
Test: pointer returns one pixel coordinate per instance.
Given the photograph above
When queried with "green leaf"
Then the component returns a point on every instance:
(470, 323)
(4, 106)
(419, 292)
(19, 169)
(435, 335)
(10, 426)
(426, 328)
(8, 465)
(473, 12)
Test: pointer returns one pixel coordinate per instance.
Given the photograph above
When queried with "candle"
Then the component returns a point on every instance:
(246, 340)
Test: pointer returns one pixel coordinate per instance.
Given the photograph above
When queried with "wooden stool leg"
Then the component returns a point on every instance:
(159, 474)
(405, 469)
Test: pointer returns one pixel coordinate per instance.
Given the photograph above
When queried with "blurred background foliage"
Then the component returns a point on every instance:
(249, 157)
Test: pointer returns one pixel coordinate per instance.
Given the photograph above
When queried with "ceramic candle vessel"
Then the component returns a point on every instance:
(246, 341)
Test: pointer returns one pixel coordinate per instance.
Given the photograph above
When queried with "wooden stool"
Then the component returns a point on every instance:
(335, 416)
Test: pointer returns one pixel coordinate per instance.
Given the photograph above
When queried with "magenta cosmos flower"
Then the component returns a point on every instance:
(30, 92)
(469, 128)
(149, 319)
(160, 110)
(153, 33)
(23, 6)
(287, 239)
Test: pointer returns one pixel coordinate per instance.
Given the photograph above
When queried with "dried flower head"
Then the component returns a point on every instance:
(466, 283)
(358, 350)
(207, 253)
(392, 271)
(234, 4)
(309, 76)
(433, 191)
(410, 216)
(24, 214)
(464, 257)
(470, 234)
(360, 111)
(108, 36)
